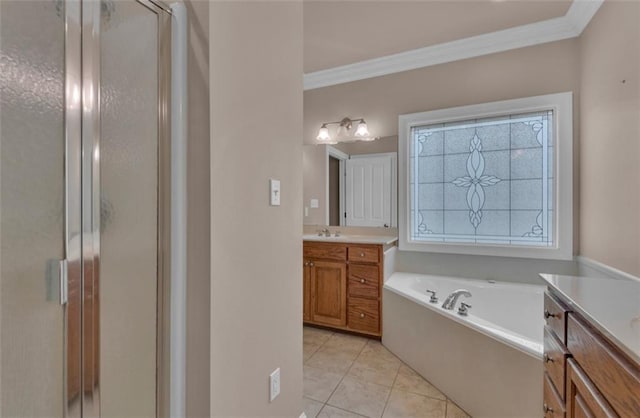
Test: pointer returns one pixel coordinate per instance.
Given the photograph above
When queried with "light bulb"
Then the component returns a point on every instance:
(323, 133)
(362, 130)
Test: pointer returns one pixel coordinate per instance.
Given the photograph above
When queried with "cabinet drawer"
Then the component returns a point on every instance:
(555, 314)
(554, 360)
(321, 251)
(616, 377)
(364, 315)
(364, 254)
(552, 406)
(364, 281)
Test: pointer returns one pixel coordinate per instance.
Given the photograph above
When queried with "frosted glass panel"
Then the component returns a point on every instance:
(129, 212)
(31, 206)
(484, 180)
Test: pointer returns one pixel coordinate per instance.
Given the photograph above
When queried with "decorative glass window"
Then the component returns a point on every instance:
(484, 179)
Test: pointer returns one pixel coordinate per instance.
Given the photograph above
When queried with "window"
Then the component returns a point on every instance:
(492, 179)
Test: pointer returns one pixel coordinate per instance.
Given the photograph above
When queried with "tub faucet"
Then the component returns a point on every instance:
(450, 301)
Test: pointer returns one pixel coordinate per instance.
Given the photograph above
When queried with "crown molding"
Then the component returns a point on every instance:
(568, 26)
(581, 12)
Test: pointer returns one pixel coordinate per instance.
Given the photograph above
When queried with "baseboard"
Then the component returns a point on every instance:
(604, 269)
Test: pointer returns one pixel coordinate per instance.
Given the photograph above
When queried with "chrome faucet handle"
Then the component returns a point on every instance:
(320, 232)
(464, 309)
(433, 298)
(337, 233)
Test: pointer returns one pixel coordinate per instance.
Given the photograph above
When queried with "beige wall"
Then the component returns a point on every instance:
(610, 137)
(542, 69)
(199, 249)
(256, 286)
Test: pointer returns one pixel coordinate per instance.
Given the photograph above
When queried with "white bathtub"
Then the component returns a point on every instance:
(489, 362)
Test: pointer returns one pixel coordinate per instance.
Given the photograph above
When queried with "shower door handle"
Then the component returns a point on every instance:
(57, 281)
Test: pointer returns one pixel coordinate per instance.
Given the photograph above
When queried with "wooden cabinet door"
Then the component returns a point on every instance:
(306, 296)
(583, 398)
(329, 292)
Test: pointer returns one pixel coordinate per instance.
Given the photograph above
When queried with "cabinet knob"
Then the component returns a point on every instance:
(362, 280)
(361, 315)
(361, 254)
(546, 358)
(548, 314)
(306, 263)
(546, 408)
(311, 264)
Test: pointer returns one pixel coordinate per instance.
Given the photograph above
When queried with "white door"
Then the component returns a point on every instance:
(369, 190)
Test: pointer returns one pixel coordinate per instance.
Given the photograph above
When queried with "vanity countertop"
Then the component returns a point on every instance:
(353, 239)
(611, 305)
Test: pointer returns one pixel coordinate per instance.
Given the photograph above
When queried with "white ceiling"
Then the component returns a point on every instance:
(344, 32)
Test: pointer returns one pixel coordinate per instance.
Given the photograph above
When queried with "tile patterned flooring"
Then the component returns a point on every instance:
(349, 376)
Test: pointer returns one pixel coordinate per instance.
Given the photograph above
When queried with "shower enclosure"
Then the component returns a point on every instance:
(85, 205)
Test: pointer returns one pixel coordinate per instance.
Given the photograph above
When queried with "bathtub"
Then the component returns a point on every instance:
(489, 362)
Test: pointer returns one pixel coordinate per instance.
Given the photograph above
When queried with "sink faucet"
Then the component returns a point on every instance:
(450, 301)
(326, 232)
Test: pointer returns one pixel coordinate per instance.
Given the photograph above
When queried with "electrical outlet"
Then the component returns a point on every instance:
(274, 384)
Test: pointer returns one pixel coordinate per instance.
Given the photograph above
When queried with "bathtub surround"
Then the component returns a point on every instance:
(488, 362)
(256, 126)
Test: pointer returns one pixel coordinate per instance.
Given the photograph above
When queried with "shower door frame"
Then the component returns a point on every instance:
(82, 202)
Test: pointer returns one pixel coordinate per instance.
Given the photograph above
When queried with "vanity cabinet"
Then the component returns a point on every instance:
(342, 286)
(585, 374)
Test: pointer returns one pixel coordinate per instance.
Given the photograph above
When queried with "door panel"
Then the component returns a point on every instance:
(583, 398)
(329, 290)
(32, 141)
(369, 191)
(128, 199)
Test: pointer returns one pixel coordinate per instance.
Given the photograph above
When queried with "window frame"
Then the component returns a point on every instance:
(562, 106)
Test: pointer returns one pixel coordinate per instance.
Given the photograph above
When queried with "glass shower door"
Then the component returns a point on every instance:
(32, 221)
(84, 188)
(128, 195)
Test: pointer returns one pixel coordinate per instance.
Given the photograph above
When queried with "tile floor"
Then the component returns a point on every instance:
(350, 376)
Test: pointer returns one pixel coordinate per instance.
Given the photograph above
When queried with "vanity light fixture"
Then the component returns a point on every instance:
(344, 133)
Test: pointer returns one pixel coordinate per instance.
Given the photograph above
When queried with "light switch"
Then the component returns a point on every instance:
(314, 204)
(274, 192)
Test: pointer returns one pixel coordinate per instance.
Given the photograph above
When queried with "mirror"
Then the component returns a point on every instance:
(351, 184)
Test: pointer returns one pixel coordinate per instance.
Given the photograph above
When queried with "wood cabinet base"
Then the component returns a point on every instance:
(342, 287)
